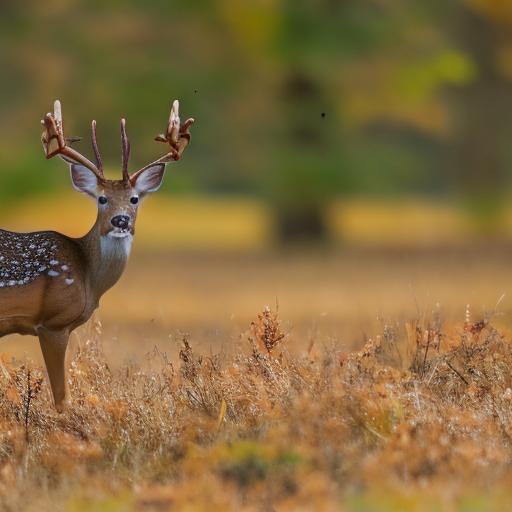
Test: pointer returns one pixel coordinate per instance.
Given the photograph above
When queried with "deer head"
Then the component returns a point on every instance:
(117, 200)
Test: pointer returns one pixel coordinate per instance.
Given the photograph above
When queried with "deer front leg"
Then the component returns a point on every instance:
(53, 346)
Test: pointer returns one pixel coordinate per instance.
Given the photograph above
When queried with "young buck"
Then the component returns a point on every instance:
(51, 283)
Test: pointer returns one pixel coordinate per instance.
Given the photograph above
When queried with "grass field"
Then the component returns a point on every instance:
(374, 387)
(418, 419)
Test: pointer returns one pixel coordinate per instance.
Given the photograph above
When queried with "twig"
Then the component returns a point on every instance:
(26, 405)
(457, 373)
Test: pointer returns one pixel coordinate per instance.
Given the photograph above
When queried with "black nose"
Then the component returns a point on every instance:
(120, 221)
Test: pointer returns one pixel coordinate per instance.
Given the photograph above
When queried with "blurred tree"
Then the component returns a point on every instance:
(483, 107)
(308, 164)
(305, 173)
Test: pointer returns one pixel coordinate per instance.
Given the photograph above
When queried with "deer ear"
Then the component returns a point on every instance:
(148, 180)
(83, 179)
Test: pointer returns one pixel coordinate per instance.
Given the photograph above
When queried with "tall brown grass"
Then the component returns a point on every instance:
(421, 416)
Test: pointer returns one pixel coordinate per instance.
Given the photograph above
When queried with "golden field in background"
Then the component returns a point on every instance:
(225, 224)
(204, 266)
(163, 223)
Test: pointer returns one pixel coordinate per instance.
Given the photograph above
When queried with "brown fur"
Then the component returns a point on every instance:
(50, 283)
(51, 309)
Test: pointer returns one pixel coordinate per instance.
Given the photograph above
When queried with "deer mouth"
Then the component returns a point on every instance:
(120, 232)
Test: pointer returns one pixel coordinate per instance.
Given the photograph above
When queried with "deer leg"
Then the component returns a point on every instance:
(53, 346)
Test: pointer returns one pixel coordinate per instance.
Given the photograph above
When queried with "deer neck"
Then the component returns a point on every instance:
(106, 259)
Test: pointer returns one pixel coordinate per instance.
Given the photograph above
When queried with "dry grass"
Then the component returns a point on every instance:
(331, 295)
(419, 418)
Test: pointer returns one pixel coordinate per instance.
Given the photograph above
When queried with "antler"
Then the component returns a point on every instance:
(54, 142)
(125, 145)
(177, 136)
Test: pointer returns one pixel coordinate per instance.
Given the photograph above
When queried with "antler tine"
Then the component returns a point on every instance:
(177, 136)
(54, 142)
(99, 161)
(126, 150)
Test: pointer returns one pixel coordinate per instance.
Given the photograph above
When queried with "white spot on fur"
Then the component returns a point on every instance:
(69, 281)
(25, 256)
(52, 273)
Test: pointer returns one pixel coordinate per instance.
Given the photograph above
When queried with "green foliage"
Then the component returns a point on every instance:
(258, 76)
(422, 80)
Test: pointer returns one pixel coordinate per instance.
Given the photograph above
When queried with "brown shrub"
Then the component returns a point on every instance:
(263, 427)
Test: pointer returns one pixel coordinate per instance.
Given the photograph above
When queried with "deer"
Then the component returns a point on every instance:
(51, 283)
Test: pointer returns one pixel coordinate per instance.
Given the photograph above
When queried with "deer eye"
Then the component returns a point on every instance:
(134, 200)
(102, 200)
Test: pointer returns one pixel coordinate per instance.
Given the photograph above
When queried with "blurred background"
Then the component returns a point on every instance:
(351, 159)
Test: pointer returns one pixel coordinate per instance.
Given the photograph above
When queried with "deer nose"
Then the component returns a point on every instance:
(120, 221)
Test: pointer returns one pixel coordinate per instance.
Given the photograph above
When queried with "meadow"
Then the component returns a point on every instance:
(417, 419)
(356, 376)
(316, 314)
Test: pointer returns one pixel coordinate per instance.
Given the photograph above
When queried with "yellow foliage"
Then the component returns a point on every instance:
(253, 24)
(498, 11)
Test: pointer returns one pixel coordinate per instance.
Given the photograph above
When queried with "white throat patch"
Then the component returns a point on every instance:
(115, 248)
